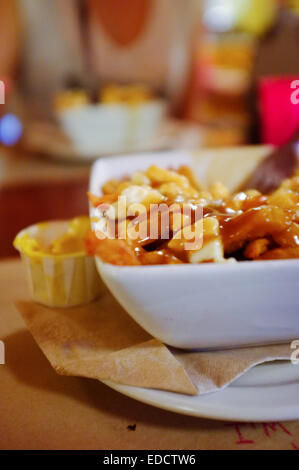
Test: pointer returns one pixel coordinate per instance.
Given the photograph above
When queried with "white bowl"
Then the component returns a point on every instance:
(108, 128)
(206, 306)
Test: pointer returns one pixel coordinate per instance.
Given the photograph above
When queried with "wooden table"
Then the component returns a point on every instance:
(32, 190)
(42, 410)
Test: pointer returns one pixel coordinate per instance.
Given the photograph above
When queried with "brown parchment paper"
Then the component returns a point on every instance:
(101, 341)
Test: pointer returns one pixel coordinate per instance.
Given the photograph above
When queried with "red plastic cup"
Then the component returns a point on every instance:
(279, 108)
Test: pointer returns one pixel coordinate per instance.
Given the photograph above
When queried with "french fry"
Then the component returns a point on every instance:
(205, 229)
(140, 178)
(98, 200)
(115, 187)
(259, 222)
(186, 171)
(291, 183)
(219, 191)
(172, 190)
(110, 187)
(280, 253)
(112, 251)
(256, 248)
(288, 238)
(284, 198)
(159, 176)
(159, 257)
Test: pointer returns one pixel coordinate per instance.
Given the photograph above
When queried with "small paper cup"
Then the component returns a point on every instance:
(64, 280)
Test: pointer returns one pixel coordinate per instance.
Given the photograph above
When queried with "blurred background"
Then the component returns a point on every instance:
(85, 78)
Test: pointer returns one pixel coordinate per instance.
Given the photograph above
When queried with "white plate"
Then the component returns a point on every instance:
(266, 393)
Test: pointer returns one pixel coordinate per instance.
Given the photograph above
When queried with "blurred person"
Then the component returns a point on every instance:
(95, 41)
(9, 48)
(277, 52)
(51, 50)
(131, 41)
(9, 53)
(9, 37)
(148, 41)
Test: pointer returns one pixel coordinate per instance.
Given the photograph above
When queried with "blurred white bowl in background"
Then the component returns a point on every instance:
(112, 127)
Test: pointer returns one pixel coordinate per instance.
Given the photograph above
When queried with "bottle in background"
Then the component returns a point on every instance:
(224, 56)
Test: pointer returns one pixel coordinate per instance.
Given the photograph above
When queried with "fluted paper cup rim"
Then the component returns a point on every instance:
(38, 254)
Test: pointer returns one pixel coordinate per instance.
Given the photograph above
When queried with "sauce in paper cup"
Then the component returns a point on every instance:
(59, 272)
